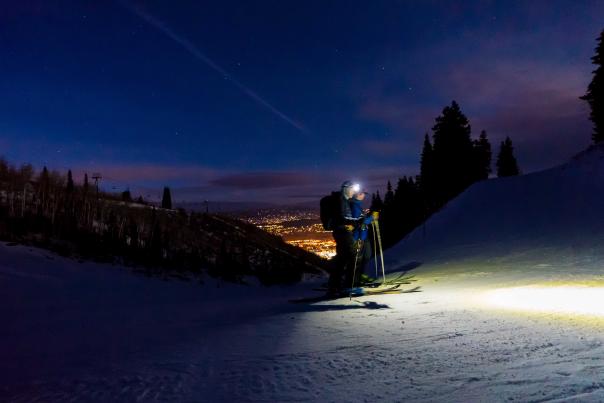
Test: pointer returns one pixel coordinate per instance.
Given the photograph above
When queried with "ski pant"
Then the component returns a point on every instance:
(343, 261)
(348, 254)
(365, 255)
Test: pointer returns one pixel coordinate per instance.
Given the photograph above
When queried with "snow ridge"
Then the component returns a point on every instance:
(560, 207)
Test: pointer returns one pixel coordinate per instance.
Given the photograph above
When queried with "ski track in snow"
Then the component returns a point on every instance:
(414, 361)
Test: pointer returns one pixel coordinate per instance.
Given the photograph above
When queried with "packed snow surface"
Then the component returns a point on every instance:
(505, 290)
(87, 332)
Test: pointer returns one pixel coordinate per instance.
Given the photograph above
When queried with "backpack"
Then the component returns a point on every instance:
(330, 206)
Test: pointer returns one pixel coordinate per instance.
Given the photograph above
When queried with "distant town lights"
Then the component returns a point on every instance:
(575, 299)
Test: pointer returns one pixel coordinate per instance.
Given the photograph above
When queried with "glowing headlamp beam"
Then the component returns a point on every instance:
(583, 300)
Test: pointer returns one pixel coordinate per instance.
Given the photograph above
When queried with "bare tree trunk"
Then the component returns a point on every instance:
(12, 204)
(121, 228)
(23, 202)
(55, 206)
(141, 233)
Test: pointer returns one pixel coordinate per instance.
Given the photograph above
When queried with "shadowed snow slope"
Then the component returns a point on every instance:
(544, 217)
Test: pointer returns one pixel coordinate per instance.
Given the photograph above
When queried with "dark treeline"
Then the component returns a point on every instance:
(595, 92)
(450, 162)
(49, 210)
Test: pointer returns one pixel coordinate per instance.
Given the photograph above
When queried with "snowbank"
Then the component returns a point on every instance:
(550, 217)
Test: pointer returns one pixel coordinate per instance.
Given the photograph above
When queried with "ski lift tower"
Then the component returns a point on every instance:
(97, 176)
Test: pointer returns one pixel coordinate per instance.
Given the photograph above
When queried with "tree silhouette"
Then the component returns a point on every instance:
(482, 156)
(452, 151)
(506, 162)
(86, 185)
(376, 202)
(166, 201)
(70, 186)
(426, 169)
(389, 196)
(43, 187)
(126, 196)
(595, 92)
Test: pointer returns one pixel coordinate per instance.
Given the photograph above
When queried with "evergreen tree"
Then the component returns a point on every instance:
(376, 202)
(388, 215)
(44, 181)
(400, 191)
(126, 196)
(506, 162)
(389, 197)
(69, 187)
(166, 201)
(403, 213)
(452, 152)
(26, 173)
(595, 92)
(86, 185)
(426, 168)
(482, 156)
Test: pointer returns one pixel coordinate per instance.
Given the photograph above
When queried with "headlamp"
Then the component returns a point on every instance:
(356, 187)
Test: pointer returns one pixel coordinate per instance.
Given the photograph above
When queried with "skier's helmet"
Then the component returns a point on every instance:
(347, 184)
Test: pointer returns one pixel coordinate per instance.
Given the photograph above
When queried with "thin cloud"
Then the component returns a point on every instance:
(145, 172)
(264, 180)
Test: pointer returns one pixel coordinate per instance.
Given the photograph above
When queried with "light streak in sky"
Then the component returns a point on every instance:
(198, 54)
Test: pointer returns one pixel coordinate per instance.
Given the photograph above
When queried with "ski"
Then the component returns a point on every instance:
(346, 294)
(399, 279)
(378, 290)
(370, 287)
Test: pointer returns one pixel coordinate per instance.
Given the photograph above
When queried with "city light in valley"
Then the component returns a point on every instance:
(299, 227)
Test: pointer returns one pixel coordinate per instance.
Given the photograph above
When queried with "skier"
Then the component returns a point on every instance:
(363, 249)
(343, 227)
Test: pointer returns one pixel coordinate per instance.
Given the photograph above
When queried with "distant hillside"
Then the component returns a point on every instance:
(223, 206)
(553, 214)
(238, 245)
(171, 242)
(48, 210)
(244, 207)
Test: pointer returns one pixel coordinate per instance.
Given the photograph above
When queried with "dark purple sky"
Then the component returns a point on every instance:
(283, 100)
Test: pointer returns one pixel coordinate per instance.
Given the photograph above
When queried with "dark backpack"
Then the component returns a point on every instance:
(330, 208)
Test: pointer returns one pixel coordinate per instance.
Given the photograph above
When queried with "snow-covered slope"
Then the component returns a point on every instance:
(539, 219)
(83, 331)
(87, 332)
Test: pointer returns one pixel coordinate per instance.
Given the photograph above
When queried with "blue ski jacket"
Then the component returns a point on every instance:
(356, 210)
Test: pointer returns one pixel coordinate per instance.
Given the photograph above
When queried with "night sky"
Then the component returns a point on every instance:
(283, 100)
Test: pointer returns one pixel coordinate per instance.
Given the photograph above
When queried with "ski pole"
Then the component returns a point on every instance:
(374, 249)
(379, 237)
(354, 272)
